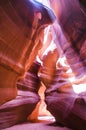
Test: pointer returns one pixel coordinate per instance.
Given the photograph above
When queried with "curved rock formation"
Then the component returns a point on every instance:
(65, 95)
(63, 101)
(17, 110)
(22, 24)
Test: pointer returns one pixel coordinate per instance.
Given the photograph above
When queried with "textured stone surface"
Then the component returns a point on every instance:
(22, 26)
(17, 110)
(65, 96)
(65, 80)
(47, 124)
(64, 103)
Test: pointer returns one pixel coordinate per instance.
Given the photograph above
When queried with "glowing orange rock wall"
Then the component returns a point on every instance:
(22, 24)
(21, 34)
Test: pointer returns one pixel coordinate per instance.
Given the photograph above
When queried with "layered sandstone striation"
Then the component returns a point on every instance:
(65, 95)
(22, 24)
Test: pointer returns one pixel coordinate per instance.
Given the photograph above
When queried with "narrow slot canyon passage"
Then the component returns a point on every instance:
(42, 64)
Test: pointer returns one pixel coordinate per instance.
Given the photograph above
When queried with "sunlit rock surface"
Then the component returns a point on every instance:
(63, 70)
(21, 34)
(22, 24)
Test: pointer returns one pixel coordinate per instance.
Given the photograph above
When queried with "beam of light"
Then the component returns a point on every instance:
(46, 32)
(47, 118)
(44, 2)
(79, 88)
